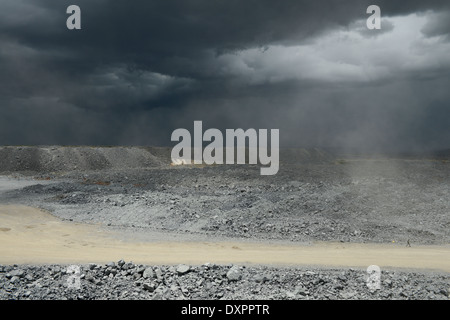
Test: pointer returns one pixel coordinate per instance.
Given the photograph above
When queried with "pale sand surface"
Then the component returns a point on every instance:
(33, 236)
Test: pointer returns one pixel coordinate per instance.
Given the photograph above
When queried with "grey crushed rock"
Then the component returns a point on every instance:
(182, 269)
(221, 282)
(234, 274)
(362, 201)
(148, 273)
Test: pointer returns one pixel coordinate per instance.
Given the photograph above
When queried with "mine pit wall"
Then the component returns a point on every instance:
(54, 158)
(67, 158)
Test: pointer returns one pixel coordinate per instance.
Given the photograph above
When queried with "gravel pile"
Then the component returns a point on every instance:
(50, 159)
(126, 280)
(29, 159)
(353, 202)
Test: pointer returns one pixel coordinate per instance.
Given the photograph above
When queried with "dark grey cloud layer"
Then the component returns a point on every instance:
(140, 69)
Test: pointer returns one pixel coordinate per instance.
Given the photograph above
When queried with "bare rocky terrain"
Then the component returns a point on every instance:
(126, 280)
(316, 196)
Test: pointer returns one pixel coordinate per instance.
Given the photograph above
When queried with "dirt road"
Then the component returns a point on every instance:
(29, 235)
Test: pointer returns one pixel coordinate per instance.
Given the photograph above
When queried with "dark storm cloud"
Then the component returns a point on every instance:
(439, 25)
(168, 36)
(139, 69)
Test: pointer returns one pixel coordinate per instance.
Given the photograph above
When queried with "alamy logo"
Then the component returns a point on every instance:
(74, 21)
(73, 281)
(374, 279)
(213, 153)
(374, 21)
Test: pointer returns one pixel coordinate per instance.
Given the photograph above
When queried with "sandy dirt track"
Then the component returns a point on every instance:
(29, 235)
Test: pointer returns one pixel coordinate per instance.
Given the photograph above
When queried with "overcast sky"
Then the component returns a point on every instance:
(140, 69)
